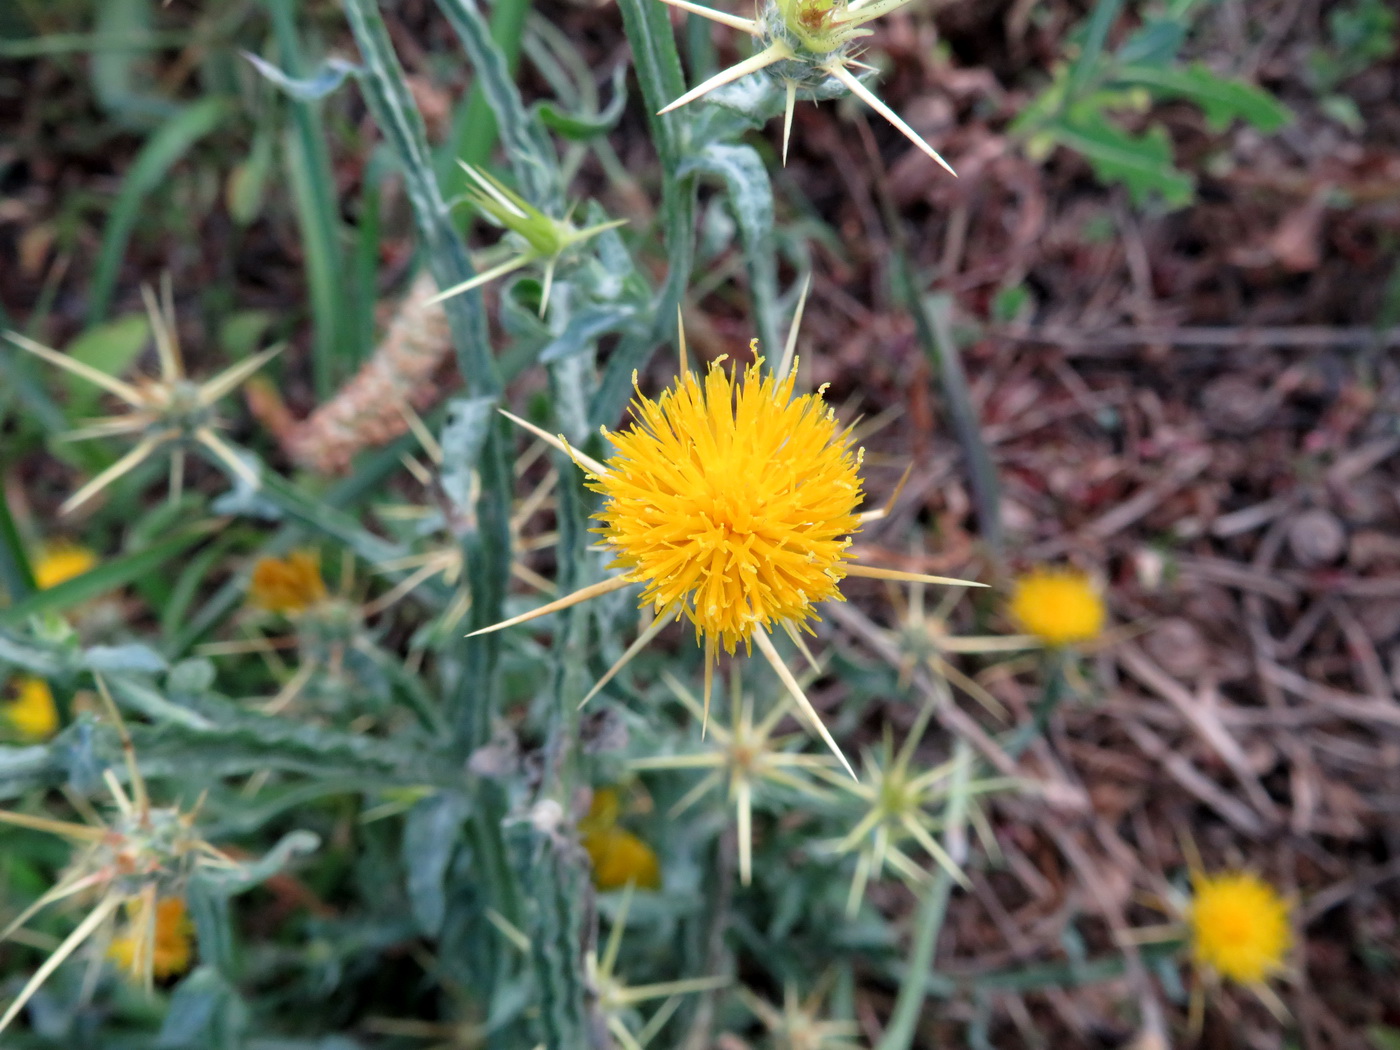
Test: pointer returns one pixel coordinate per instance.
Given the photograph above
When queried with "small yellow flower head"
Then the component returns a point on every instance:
(620, 857)
(33, 713)
(60, 563)
(287, 585)
(172, 945)
(1239, 926)
(732, 501)
(1058, 606)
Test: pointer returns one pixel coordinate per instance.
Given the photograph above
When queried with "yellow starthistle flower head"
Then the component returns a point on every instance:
(32, 713)
(171, 948)
(732, 502)
(1239, 926)
(61, 562)
(1058, 606)
(287, 585)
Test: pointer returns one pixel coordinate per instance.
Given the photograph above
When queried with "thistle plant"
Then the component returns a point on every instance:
(172, 411)
(139, 857)
(731, 501)
(810, 48)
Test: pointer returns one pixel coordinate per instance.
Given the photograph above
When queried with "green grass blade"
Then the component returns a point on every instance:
(149, 172)
(106, 577)
(309, 169)
(532, 158)
(15, 574)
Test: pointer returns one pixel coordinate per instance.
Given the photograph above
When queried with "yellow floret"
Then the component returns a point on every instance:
(1239, 926)
(173, 942)
(60, 563)
(1058, 606)
(287, 585)
(33, 713)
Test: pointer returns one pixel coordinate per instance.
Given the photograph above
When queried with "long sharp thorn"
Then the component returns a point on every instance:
(711, 658)
(509, 266)
(867, 96)
(165, 349)
(774, 52)
(765, 645)
(587, 462)
(580, 595)
(99, 915)
(790, 350)
(111, 384)
(652, 630)
(870, 572)
(226, 455)
(680, 342)
(744, 25)
(788, 107)
(125, 465)
(229, 378)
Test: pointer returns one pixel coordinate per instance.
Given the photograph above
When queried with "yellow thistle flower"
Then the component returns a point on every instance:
(60, 563)
(619, 857)
(1058, 606)
(1239, 926)
(287, 585)
(171, 949)
(731, 501)
(33, 713)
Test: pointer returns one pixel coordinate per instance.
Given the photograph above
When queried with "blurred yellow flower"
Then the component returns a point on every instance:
(33, 714)
(1239, 926)
(287, 585)
(619, 857)
(172, 944)
(1058, 606)
(60, 563)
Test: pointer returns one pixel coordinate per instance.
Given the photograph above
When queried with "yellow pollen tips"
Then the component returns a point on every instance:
(732, 501)
(1058, 606)
(171, 947)
(32, 714)
(1239, 926)
(287, 585)
(59, 564)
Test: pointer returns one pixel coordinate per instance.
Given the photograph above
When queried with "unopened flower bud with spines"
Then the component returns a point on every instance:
(809, 47)
(544, 237)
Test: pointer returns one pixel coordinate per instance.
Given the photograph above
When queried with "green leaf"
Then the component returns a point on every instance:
(1222, 99)
(431, 833)
(580, 127)
(1142, 163)
(206, 1012)
(327, 77)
